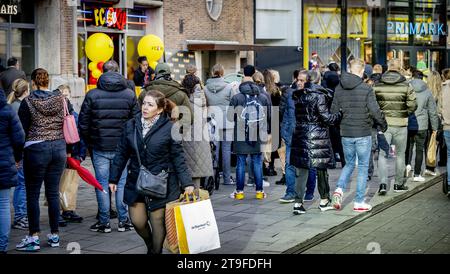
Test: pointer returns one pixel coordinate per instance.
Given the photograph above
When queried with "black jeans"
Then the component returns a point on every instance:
(44, 162)
(416, 137)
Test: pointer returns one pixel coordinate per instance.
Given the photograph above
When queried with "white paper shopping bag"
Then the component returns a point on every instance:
(202, 233)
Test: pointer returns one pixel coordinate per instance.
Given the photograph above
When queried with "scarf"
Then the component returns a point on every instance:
(147, 125)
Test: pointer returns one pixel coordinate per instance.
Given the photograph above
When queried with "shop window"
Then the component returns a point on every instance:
(132, 55)
(81, 41)
(22, 48)
(3, 52)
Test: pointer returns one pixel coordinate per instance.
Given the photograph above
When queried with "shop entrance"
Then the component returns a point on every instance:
(425, 59)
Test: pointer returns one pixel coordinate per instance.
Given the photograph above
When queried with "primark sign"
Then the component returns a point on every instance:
(416, 28)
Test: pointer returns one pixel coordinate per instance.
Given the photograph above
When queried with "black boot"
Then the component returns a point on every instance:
(282, 181)
(71, 216)
(382, 190)
(61, 221)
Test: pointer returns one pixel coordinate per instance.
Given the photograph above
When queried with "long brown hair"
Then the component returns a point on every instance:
(160, 99)
(269, 80)
(40, 78)
(18, 87)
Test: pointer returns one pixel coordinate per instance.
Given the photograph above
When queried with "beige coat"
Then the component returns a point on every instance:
(444, 105)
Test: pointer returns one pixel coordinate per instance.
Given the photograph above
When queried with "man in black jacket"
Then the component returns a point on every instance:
(104, 112)
(359, 107)
(11, 74)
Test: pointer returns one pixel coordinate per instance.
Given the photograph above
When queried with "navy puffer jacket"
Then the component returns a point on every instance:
(311, 145)
(12, 139)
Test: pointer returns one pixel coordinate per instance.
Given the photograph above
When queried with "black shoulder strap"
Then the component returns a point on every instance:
(136, 144)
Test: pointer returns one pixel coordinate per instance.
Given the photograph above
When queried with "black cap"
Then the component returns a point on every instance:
(249, 70)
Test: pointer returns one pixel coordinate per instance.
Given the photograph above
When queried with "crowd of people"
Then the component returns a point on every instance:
(166, 136)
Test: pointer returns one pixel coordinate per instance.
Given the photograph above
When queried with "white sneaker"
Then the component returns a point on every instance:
(265, 183)
(429, 172)
(361, 207)
(418, 179)
(336, 199)
(408, 170)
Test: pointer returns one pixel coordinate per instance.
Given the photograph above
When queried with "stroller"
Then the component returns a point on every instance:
(211, 183)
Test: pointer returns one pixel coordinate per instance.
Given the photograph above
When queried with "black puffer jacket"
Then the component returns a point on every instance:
(359, 107)
(12, 139)
(158, 151)
(105, 111)
(311, 146)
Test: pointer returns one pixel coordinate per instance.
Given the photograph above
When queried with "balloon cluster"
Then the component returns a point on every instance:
(99, 49)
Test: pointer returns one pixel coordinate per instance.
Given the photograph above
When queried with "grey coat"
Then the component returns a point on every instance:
(218, 95)
(426, 106)
(197, 150)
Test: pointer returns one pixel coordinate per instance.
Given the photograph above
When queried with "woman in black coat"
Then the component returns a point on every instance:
(12, 139)
(158, 151)
(311, 145)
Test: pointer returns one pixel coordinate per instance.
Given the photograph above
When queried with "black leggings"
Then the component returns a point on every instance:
(416, 137)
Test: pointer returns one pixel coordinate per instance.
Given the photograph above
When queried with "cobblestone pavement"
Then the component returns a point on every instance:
(419, 224)
(247, 226)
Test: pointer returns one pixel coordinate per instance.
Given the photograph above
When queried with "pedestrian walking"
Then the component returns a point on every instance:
(12, 138)
(104, 112)
(196, 141)
(11, 73)
(44, 157)
(397, 100)
(444, 113)
(311, 145)
(147, 141)
(20, 90)
(358, 105)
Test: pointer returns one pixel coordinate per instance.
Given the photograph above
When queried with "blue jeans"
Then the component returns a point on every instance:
(44, 162)
(5, 219)
(102, 161)
(447, 141)
(290, 174)
(353, 147)
(256, 160)
(20, 198)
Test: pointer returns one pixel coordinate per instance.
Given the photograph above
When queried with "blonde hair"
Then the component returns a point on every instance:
(18, 88)
(357, 65)
(377, 68)
(258, 77)
(434, 83)
(394, 64)
(217, 70)
(269, 79)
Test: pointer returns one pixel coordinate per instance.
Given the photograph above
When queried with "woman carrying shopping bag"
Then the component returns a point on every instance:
(149, 133)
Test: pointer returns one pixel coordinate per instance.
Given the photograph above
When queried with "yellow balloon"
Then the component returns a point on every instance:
(99, 47)
(153, 65)
(92, 66)
(151, 46)
(96, 73)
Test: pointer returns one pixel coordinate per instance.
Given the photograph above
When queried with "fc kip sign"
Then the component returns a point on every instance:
(8, 9)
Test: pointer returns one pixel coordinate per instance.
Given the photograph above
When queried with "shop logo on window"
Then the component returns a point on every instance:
(214, 8)
(415, 28)
(8, 9)
(111, 18)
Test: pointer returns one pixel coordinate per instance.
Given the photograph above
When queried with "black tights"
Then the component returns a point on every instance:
(154, 233)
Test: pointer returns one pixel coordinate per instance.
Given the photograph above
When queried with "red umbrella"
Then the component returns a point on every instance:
(84, 173)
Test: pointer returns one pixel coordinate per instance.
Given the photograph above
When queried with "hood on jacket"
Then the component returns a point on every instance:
(215, 85)
(112, 81)
(48, 103)
(392, 77)
(174, 86)
(249, 88)
(418, 85)
(2, 98)
(350, 81)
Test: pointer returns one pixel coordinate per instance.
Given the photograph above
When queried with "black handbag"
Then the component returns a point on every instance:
(148, 184)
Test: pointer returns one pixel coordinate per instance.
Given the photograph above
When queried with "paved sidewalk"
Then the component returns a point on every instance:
(247, 226)
(419, 224)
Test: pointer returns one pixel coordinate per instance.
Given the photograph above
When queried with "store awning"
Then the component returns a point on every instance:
(193, 45)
